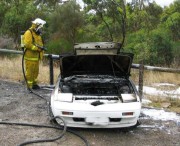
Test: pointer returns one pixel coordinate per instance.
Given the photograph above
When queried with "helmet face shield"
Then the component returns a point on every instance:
(39, 29)
(39, 25)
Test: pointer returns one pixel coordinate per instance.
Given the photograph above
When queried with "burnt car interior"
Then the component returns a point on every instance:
(98, 77)
(95, 85)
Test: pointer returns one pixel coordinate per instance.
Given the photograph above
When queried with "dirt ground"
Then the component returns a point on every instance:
(18, 105)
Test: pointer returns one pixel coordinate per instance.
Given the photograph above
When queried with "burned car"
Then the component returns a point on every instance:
(94, 89)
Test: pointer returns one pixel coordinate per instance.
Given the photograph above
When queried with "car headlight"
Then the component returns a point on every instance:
(64, 97)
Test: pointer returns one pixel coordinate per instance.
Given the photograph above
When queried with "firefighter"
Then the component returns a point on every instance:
(33, 45)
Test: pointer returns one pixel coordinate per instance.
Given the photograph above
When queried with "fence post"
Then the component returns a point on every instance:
(51, 70)
(141, 75)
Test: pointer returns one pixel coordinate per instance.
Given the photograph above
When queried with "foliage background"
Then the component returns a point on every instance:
(151, 32)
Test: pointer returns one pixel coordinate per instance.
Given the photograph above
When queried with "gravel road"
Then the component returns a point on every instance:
(18, 105)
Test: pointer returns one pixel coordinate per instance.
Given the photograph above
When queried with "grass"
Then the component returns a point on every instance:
(151, 77)
(168, 103)
(11, 69)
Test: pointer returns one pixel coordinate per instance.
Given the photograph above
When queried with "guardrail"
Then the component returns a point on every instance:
(154, 68)
(141, 68)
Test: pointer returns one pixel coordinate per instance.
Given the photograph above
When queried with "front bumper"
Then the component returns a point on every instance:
(102, 116)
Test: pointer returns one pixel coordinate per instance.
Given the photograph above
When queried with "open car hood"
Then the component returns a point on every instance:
(116, 65)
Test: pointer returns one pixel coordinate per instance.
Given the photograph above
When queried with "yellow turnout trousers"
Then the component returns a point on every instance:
(32, 71)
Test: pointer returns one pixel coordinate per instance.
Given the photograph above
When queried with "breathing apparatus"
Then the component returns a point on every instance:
(38, 30)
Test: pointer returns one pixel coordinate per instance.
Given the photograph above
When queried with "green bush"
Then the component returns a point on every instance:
(59, 46)
(154, 48)
(137, 43)
(160, 48)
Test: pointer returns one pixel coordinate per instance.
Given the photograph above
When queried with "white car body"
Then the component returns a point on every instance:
(94, 91)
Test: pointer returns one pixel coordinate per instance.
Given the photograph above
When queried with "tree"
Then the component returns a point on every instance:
(138, 44)
(154, 12)
(173, 23)
(161, 47)
(141, 16)
(110, 18)
(18, 17)
(154, 48)
(171, 19)
(3, 10)
(65, 22)
(100, 9)
(50, 3)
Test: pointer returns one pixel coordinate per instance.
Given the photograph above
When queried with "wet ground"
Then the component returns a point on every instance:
(17, 105)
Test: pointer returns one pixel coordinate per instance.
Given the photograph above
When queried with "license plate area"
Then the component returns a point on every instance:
(97, 120)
